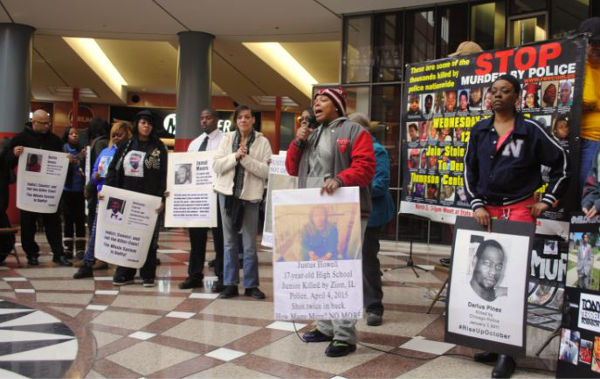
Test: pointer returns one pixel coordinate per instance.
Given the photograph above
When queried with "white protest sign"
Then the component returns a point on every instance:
(40, 180)
(317, 250)
(278, 179)
(191, 201)
(124, 227)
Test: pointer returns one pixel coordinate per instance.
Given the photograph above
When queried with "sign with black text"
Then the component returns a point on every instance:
(40, 180)
(488, 286)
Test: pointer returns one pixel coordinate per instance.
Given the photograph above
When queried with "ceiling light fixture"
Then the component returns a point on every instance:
(280, 60)
(91, 53)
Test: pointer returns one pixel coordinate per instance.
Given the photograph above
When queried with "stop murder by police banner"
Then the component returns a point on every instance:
(443, 100)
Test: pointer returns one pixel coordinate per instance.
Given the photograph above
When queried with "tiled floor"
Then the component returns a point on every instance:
(90, 329)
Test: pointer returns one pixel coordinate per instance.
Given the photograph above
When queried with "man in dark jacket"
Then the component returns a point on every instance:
(6, 178)
(39, 136)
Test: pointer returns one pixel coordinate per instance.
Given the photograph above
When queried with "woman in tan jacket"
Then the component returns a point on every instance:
(242, 166)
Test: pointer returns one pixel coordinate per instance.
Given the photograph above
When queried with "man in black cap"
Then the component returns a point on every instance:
(38, 135)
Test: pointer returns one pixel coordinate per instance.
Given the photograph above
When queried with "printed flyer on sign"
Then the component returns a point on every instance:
(317, 246)
(579, 351)
(124, 227)
(278, 179)
(40, 180)
(547, 274)
(445, 98)
(191, 203)
(488, 286)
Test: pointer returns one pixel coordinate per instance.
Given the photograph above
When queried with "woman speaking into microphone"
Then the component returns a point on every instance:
(503, 164)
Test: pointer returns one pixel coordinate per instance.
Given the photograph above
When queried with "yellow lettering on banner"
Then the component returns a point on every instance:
(457, 166)
(425, 179)
(453, 180)
(433, 151)
(455, 122)
(454, 151)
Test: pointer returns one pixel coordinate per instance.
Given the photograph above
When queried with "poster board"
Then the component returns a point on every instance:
(40, 180)
(445, 98)
(125, 226)
(487, 288)
(579, 349)
(278, 179)
(317, 250)
(191, 203)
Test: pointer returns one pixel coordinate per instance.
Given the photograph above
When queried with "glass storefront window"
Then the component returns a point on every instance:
(488, 24)
(385, 116)
(528, 29)
(452, 28)
(287, 129)
(357, 58)
(357, 100)
(420, 32)
(524, 6)
(387, 65)
(567, 15)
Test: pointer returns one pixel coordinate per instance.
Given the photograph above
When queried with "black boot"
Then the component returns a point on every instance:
(505, 366)
(485, 357)
(85, 271)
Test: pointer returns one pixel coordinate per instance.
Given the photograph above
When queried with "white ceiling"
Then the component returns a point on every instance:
(309, 29)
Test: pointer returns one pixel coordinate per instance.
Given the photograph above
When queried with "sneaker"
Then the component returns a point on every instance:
(229, 292)
(339, 349)
(316, 336)
(255, 293)
(374, 319)
(190, 283)
(148, 282)
(84, 271)
(121, 281)
(100, 265)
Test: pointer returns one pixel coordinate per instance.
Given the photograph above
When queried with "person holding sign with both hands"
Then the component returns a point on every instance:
(503, 169)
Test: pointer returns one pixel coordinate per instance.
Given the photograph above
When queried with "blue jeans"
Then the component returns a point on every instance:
(231, 242)
(588, 154)
(88, 256)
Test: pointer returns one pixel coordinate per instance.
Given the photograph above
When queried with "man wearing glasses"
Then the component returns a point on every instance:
(39, 136)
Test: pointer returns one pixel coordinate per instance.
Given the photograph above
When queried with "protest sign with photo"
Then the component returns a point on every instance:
(40, 180)
(487, 290)
(317, 250)
(579, 351)
(445, 98)
(278, 179)
(124, 227)
(191, 203)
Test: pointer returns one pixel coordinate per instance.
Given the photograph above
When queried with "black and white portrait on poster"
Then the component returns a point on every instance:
(488, 286)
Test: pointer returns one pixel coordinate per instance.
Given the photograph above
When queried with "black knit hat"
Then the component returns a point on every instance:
(592, 26)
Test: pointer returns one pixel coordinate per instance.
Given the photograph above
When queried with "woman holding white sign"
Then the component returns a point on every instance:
(503, 165)
(242, 166)
(140, 165)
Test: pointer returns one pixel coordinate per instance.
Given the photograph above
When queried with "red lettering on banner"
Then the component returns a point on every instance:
(483, 61)
(549, 51)
(524, 58)
(527, 53)
(503, 56)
